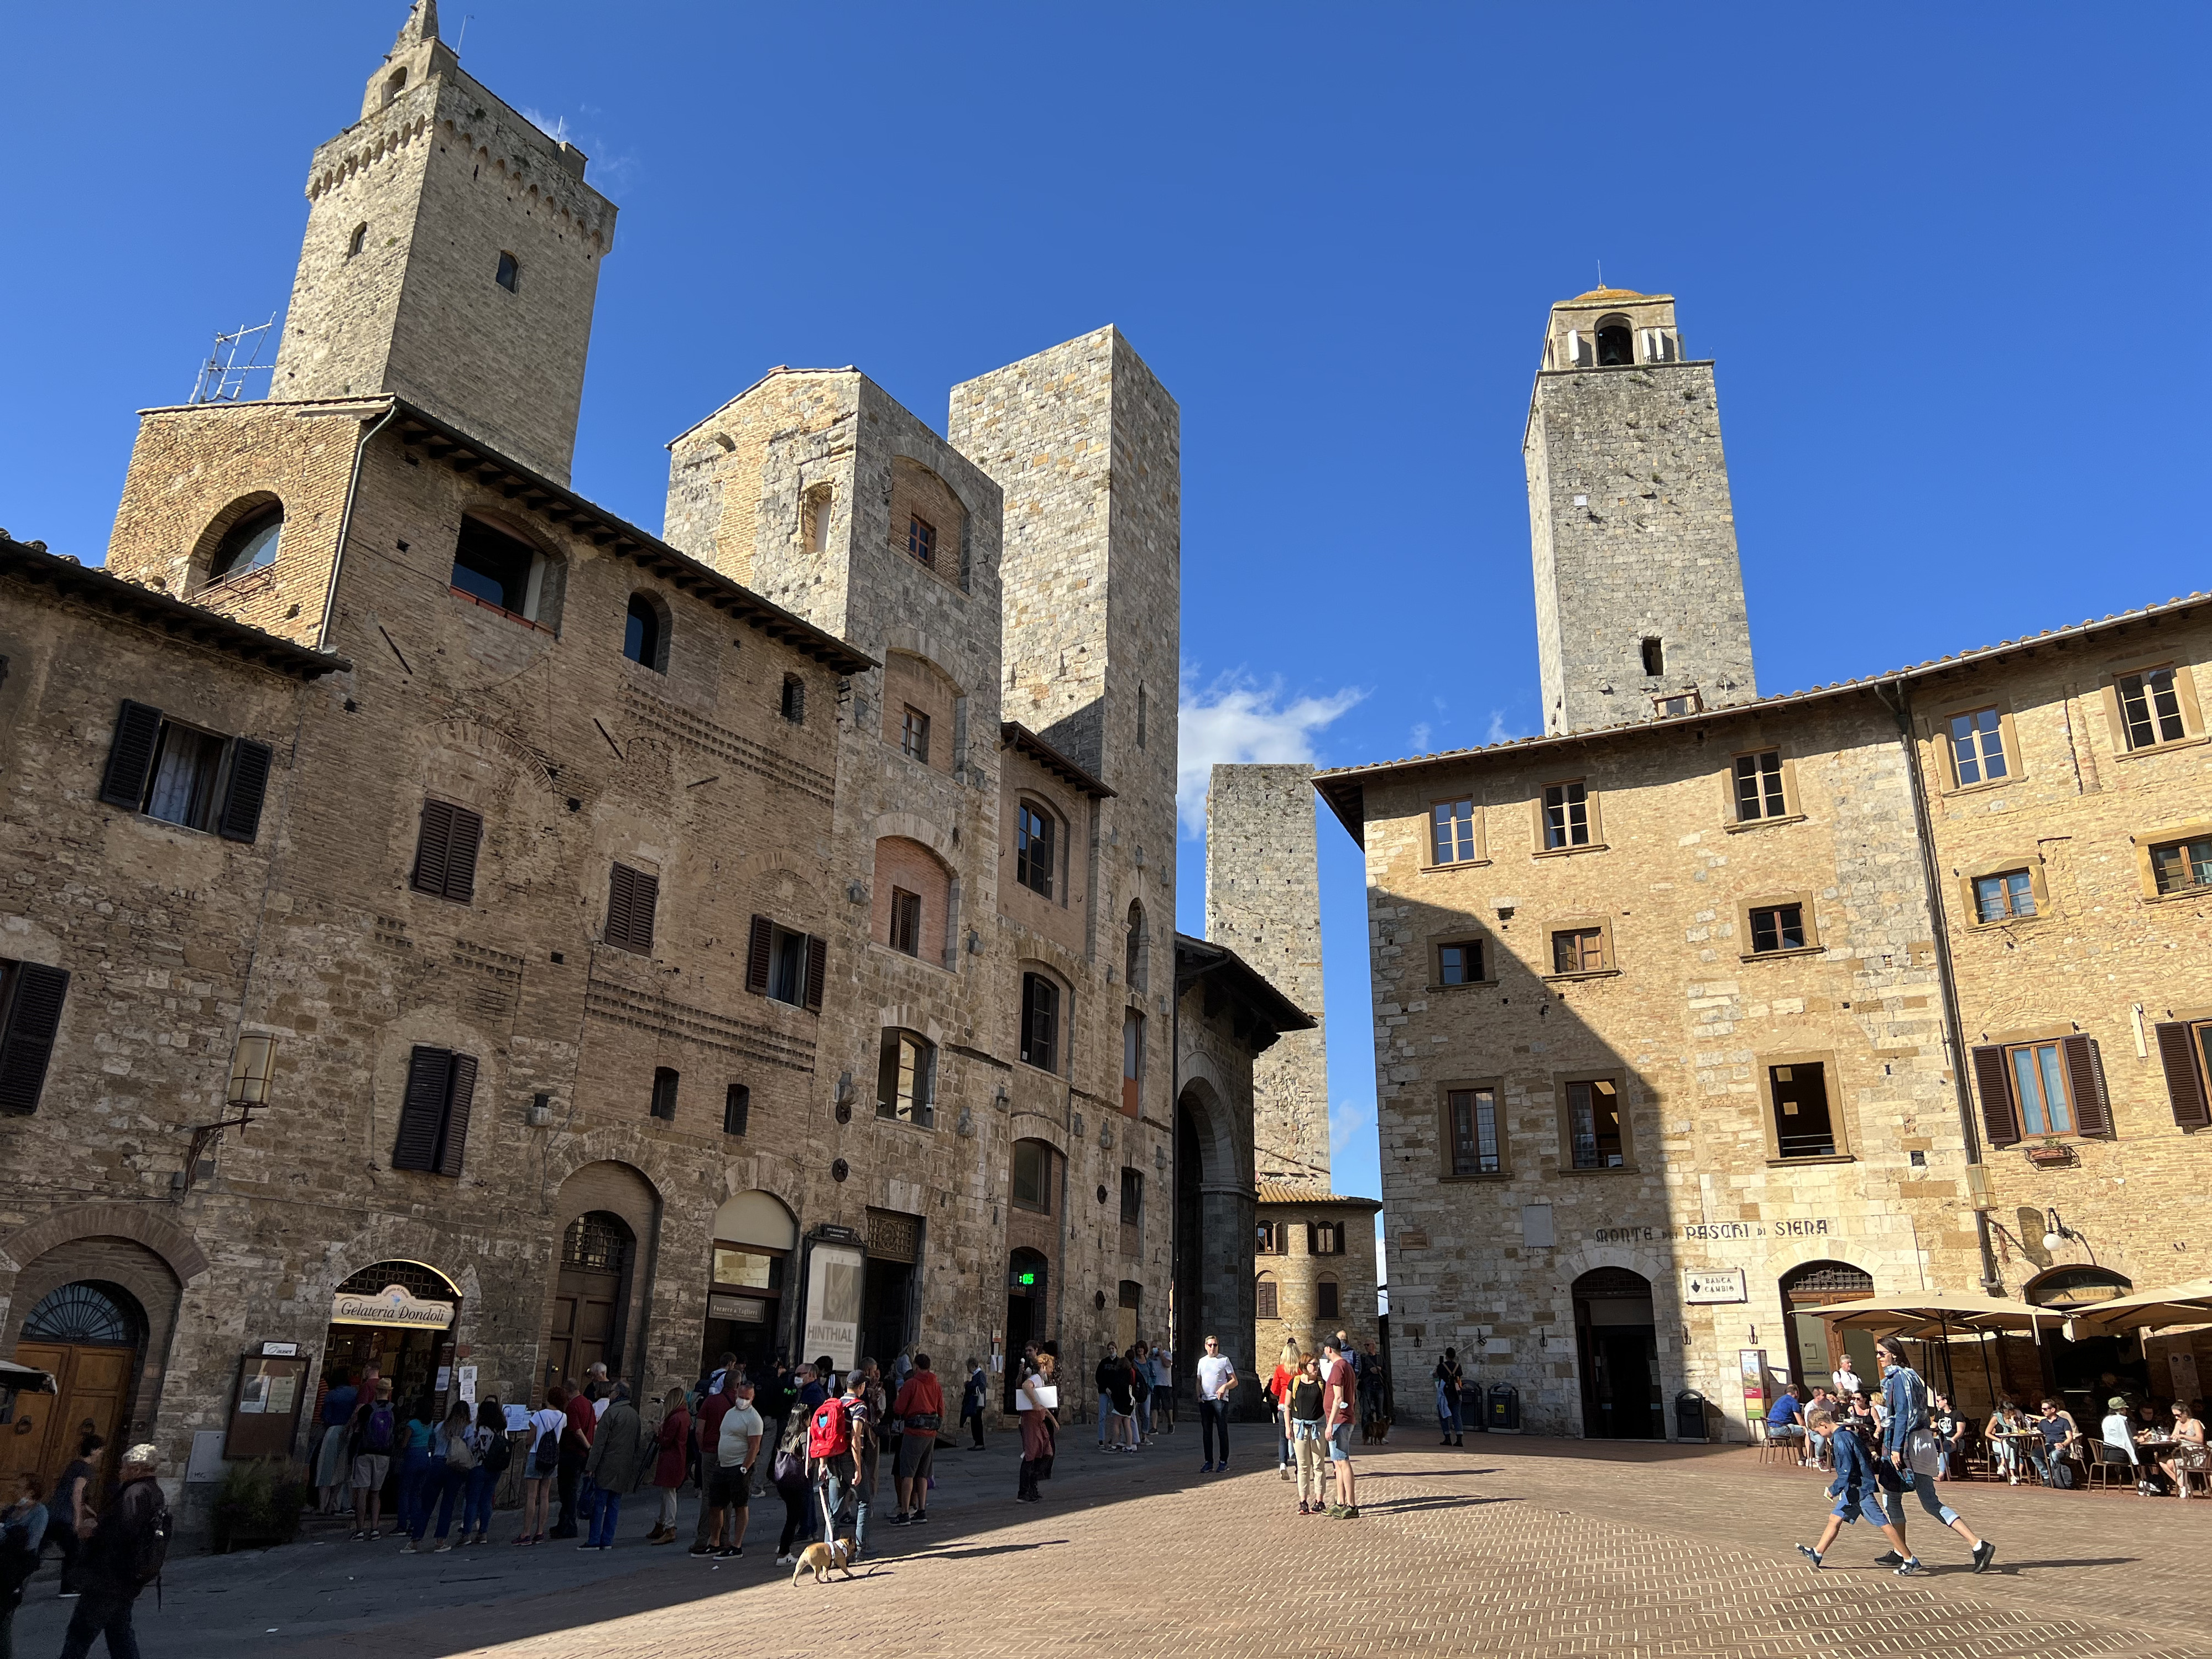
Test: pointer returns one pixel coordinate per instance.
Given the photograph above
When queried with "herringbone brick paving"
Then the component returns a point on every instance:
(1558, 1549)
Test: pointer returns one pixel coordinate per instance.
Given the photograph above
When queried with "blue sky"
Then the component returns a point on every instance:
(1944, 256)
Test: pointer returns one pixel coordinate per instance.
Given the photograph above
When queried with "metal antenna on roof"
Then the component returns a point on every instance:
(1601, 273)
(223, 377)
(463, 39)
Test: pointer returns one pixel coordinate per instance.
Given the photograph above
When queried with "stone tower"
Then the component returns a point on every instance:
(1263, 901)
(451, 256)
(1639, 597)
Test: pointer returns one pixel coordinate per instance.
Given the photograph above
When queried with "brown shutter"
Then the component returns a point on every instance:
(131, 756)
(432, 844)
(2085, 1079)
(28, 1024)
(422, 1109)
(2184, 1082)
(618, 929)
(240, 817)
(462, 840)
(818, 966)
(453, 1139)
(757, 948)
(2000, 1117)
(644, 900)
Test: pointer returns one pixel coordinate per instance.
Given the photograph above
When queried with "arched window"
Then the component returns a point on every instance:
(1805, 1291)
(645, 635)
(499, 568)
(1133, 964)
(86, 1314)
(1041, 1021)
(1265, 1304)
(912, 901)
(509, 274)
(906, 1078)
(249, 545)
(1030, 1184)
(2074, 1287)
(1616, 342)
(358, 241)
(1035, 847)
(395, 85)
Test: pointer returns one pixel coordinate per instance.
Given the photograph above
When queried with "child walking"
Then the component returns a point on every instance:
(1855, 1489)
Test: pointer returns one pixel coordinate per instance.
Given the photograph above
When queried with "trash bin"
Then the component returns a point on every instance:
(1504, 1413)
(1470, 1406)
(1690, 1415)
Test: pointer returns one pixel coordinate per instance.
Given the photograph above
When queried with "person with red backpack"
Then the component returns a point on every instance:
(128, 1545)
(375, 1431)
(833, 1464)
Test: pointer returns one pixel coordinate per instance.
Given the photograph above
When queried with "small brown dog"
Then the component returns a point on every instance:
(821, 1560)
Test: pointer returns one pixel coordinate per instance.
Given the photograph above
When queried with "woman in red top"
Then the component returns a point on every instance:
(1278, 1391)
(671, 1444)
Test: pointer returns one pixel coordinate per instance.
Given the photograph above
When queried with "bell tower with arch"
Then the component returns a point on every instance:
(1640, 612)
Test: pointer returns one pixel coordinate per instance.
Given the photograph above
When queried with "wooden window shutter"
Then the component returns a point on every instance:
(758, 948)
(462, 840)
(2085, 1075)
(422, 1109)
(618, 906)
(241, 816)
(453, 1137)
(131, 756)
(433, 845)
(2184, 1084)
(817, 968)
(28, 1024)
(2000, 1117)
(644, 901)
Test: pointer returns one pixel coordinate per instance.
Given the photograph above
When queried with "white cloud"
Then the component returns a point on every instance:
(1498, 731)
(555, 127)
(1420, 735)
(1349, 1120)
(1238, 718)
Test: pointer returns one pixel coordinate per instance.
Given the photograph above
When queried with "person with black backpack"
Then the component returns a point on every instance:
(128, 1545)
(375, 1431)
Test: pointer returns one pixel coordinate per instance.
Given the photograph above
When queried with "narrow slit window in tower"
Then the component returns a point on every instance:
(358, 241)
(1655, 656)
(510, 273)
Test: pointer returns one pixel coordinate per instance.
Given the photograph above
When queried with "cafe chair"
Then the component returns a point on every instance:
(2112, 1468)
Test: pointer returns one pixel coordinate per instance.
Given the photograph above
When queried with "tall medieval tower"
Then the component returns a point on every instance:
(1639, 598)
(452, 257)
(1263, 901)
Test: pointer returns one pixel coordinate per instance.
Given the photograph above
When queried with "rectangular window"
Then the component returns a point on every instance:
(1802, 1127)
(2150, 707)
(434, 1113)
(906, 1078)
(1578, 950)
(1324, 1239)
(2182, 867)
(179, 775)
(2185, 1053)
(922, 540)
(1141, 713)
(1032, 1176)
(1473, 1131)
(632, 898)
(2039, 1089)
(736, 1108)
(1040, 1023)
(31, 997)
(1978, 753)
(1033, 849)
(914, 735)
(906, 921)
(1274, 1238)
(1566, 816)
(1263, 1299)
(1132, 1197)
(1680, 702)
(1594, 1124)
(2011, 893)
(1132, 1061)
(1460, 964)
(1758, 792)
(785, 966)
(1325, 1298)
(793, 705)
(1778, 927)
(664, 1093)
(1451, 831)
(446, 852)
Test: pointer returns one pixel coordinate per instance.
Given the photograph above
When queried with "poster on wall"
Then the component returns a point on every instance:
(832, 1321)
(2182, 1362)
(1751, 1362)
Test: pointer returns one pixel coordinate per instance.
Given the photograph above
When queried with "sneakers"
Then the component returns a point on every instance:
(786, 1560)
(900, 1519)
(443, 1548)
(408, 1548)
(921, 1516)
(703, 1549)
(1984, 1552)
(1335, 1511)
(1350, 1512)
(1910, 1568)
(1889, 1559)
(1810, 1554)
(1208, 1469)
(1285, 1469)
(730, 1552)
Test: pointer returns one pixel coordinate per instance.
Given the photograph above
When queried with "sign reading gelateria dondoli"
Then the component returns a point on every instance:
(393, 1305)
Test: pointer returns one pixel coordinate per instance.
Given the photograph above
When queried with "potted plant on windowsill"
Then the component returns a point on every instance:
(2051, 1154)
(258, 1505)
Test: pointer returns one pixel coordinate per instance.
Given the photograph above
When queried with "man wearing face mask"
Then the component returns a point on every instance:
(1908, 1441)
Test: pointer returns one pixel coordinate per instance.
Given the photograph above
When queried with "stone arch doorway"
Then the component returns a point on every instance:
(1805, 1292)
(753, 1237)
(1617, 1346)
(1028, 1285)
(91, 1335)
(591, 1298)
(398, 1316)
(1217, 1219)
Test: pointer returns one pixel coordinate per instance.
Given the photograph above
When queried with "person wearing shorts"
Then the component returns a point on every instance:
(729, 1481)
(1339, 1411)
(1856, 1489)
(920, 1409)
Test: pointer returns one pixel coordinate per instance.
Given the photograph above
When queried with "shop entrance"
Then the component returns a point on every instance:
(590, 1299)
(1805, 1292)
(887, 1286)
(753, 1237)
(1025, 1323)
(91, 1336)
(2084, 1374)
(1618, 1344)
(398, 1316)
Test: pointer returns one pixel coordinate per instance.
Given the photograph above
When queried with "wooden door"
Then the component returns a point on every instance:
(93, 1384)
(583, 1322)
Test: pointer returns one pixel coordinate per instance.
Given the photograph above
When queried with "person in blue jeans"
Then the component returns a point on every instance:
(489, 1444)
(418, 1471)
(1449, 1379)
(1857, 1490)
(450, 1456)
(1908, 1441)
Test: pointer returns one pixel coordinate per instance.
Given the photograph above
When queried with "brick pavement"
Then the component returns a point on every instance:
(1522, 1546)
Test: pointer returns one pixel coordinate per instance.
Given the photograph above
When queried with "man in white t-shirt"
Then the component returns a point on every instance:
(1217, 1380)
(729, 1483)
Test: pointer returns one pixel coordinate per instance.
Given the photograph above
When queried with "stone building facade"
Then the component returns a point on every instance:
(1687, 1027)
(454, 929)
(1315, 1275)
